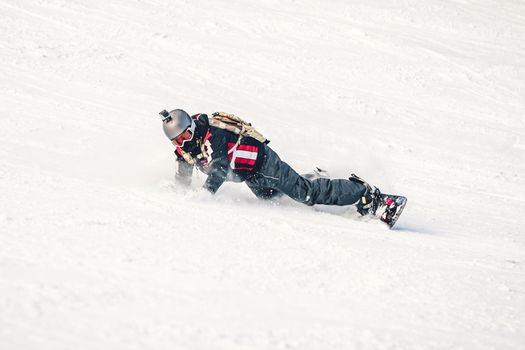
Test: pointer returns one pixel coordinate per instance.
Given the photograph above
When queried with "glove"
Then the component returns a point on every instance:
(182, 180)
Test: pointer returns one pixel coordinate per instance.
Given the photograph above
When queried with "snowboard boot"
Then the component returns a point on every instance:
(371, 199)
(384, 206)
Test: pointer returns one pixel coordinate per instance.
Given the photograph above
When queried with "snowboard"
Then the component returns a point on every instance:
(390, 208)
(388, 211)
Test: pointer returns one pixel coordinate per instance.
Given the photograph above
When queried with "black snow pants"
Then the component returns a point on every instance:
(276, 178)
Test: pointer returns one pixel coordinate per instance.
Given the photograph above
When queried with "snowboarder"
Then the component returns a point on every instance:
(226, 153)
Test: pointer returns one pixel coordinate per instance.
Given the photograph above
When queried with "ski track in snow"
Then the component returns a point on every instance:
(100, 250)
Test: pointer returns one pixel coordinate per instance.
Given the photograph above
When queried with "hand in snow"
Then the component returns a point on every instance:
(182, 180)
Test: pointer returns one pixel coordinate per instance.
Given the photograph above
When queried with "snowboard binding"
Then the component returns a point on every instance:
(386, 207)
(371, 199)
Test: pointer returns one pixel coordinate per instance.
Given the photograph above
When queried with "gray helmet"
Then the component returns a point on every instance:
(177, 122)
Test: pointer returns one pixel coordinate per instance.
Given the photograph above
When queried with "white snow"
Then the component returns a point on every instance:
(100, 250)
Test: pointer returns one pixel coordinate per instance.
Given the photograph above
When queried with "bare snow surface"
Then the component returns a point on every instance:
(100, 250)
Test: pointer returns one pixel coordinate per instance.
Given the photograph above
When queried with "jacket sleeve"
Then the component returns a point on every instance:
(218, 166)
(184, 171)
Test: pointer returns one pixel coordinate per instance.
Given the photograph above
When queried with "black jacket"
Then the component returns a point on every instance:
(222, 159)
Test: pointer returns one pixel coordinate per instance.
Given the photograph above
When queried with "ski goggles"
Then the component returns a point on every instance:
(186, 135)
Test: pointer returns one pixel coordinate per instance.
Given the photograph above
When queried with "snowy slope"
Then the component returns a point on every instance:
(100, 250)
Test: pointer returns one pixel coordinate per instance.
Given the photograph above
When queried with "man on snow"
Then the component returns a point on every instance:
(228, 156)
